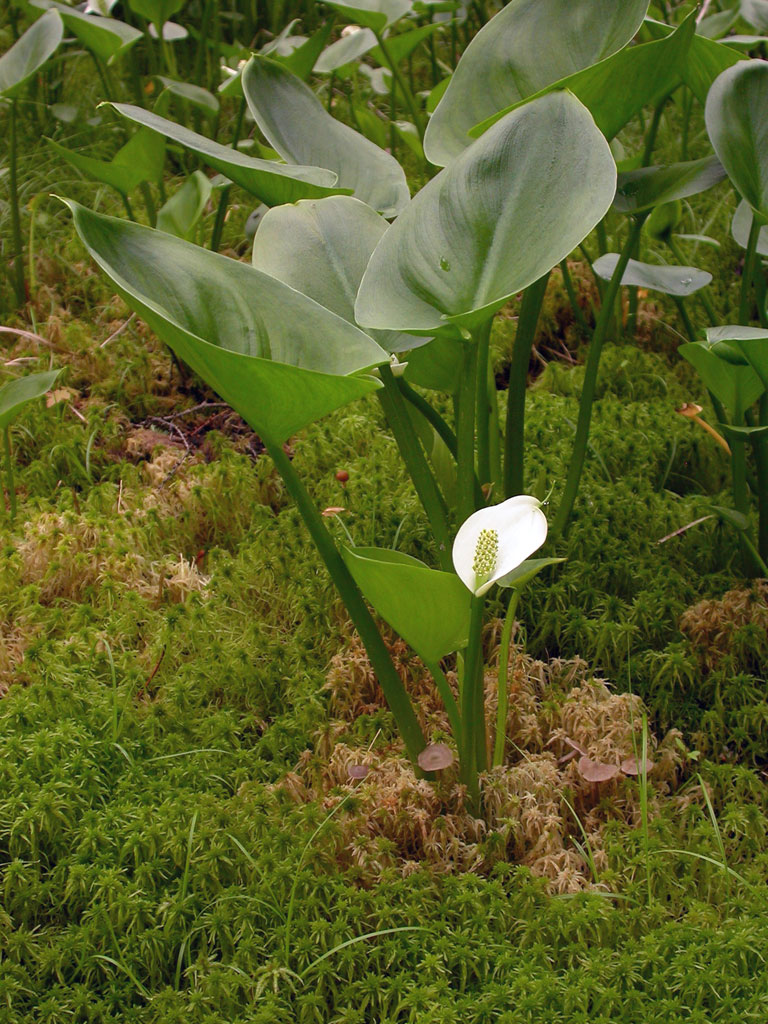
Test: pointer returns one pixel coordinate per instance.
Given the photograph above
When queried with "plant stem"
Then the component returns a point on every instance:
(221, 211)
(748, 272)
(402, 86)
(588, 389)
(18, 245)
(470, 754)
(429, 413)
(503, 691)
(572, 298)
(514, 441)
(416, 463)
(760, 447)
(394, 691)
(465, 435)
(683, 312)
(701, 294)
(482, 406)
(9, 473)
(449, 700)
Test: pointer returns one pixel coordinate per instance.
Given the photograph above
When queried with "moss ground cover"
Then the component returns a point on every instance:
(181, 696)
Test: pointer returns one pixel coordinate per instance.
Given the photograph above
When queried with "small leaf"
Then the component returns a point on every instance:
(649, 187)
(108, 38)
(737, 386)
(180, 214)
(741, 225)
(194, 94)
(140, 159)
(679, 281)
(373, 14)
(29, 53)
(15, 394)
(527, 571)
(345, 50)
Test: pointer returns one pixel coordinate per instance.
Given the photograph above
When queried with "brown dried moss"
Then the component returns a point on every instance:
(723, 627)
(399, 821)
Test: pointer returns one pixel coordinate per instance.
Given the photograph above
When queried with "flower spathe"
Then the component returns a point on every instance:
(496, 540)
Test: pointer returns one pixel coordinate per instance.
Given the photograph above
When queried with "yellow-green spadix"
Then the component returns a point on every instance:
(494, 541)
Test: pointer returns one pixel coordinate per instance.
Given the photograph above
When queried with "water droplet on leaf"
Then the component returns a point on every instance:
(444, 264)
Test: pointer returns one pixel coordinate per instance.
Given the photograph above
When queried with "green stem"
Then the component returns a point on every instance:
(221, 211)
(402, 86)
(449, 700)
(748, 272)
(514, 441)
(482, 407)
(683, 312)
(588, 389)
(650, 139)
(572, 298)
(429, 413)
(760, 447)
(127, 205)
(416, 463)
(9, 473)
(394, 691)
(18, 244)
(494, 428)
(465, 435)
(149, 203)
(503, 690)
(470, 754)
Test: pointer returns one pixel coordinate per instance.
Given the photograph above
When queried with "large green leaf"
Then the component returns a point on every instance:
(438, 365)
(741, 225)
(180, 214)
(617, 88)
(301, 130)
(752, 342)
(648, 187)
(736, 385)
(501, 214)
(140, 159)
(106, 37)
(321, 248)
(15, 394)
(272, 182)
(527, 46)
(756, 13)
(738, 129)
(373, 14)
(29, 53)
(427, 607)
(678, 281)
(281, 360)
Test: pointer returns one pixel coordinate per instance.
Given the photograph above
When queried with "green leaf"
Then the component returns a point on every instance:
(648, 187)
(617, 88)
(738, 129)
(277, 357)
(503, 213)
(140, 159)
(741, 225)
(737, 386)
(751, 342)
(156, 11)
(15, 394)
(526, 571)
(528, 46)
(29, 53)
(194, 94)
(743, 433)
(304, 58)
(106, 37)
(714, 26)
(373, 14)
(704, 60)
(301, 130)
(427, 607)
(756, 13)
(678, 281)
(401, 46)
(321, 248)
(345, 50)
(180, 214)
(438, 365)
(271, 182)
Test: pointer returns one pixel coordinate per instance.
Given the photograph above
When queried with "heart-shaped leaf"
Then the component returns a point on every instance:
(180, 214)
(373, 14)
(648, 187)
(617, 88)
(741, 225)
(678, 281)
(527, 46)
(738, 129)
(140, 159)
(106, 37)
(703, 60)
(501, 215)
(272, 182)
(29, 53)
(428, 608)
(301, 130)
(281, 360)
(737, 386)
(321, 248)
(15, 394)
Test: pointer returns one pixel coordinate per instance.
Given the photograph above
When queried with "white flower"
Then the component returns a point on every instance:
(495, 540)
